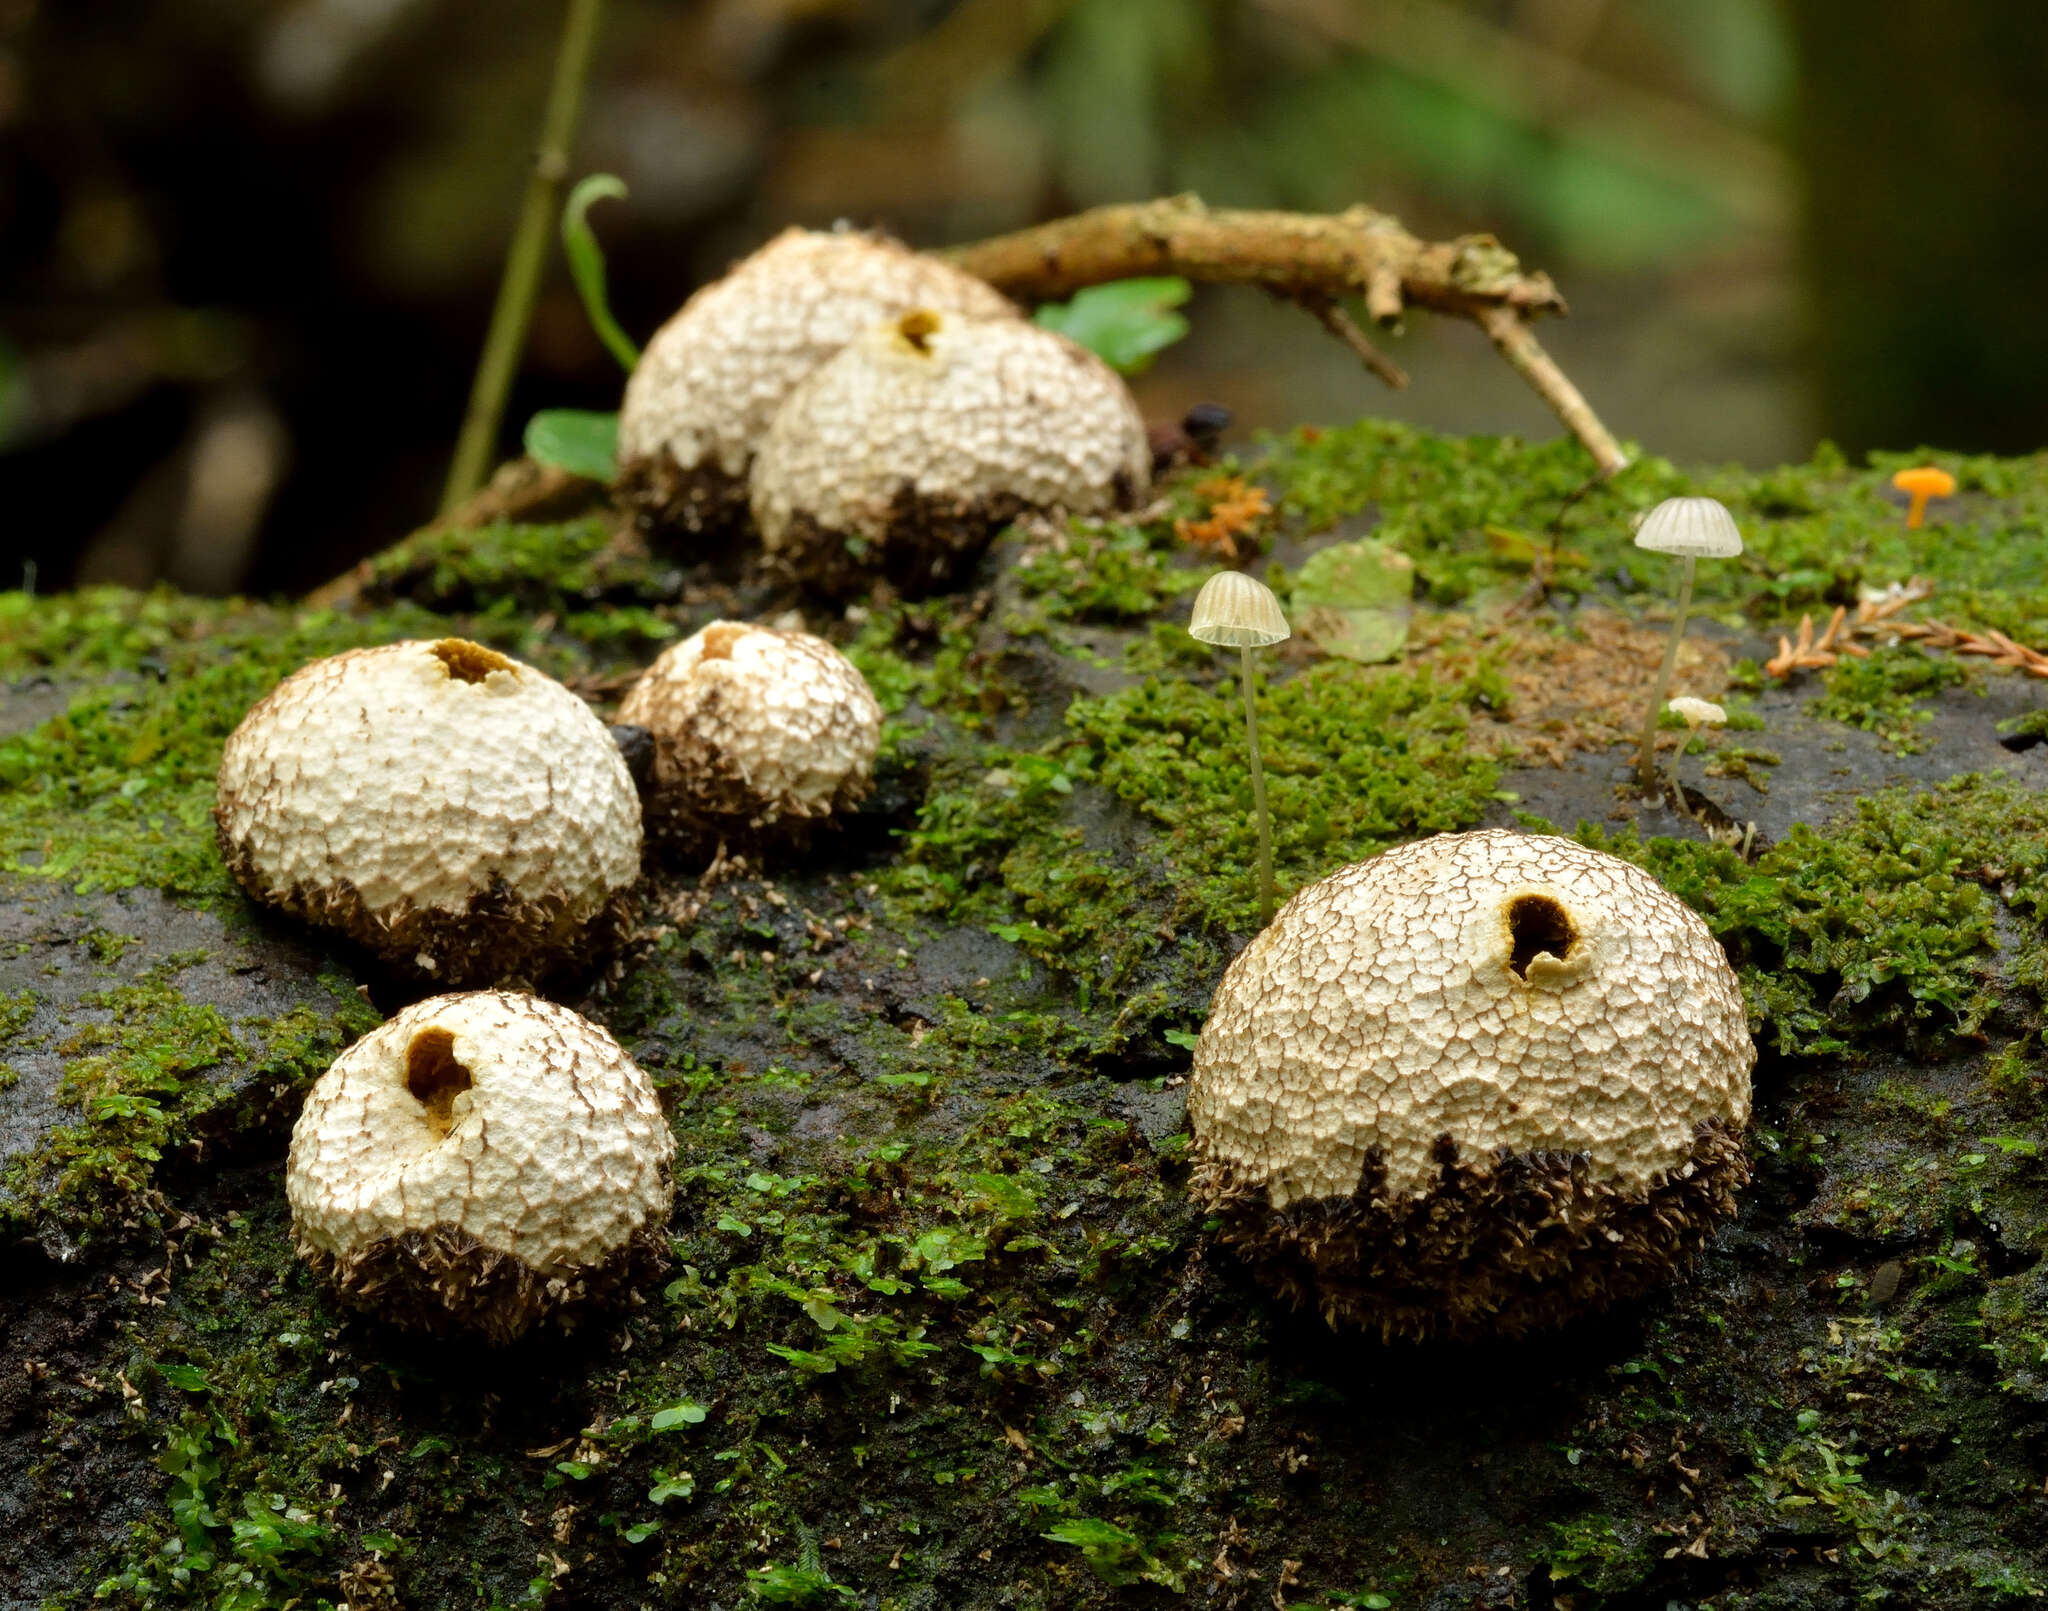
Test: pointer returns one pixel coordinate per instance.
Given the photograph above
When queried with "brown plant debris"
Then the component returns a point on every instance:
(1570, 688)
(1876, 618)
(1311, 259)
(1235, 507)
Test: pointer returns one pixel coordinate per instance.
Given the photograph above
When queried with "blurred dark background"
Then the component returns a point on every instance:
(248, 247)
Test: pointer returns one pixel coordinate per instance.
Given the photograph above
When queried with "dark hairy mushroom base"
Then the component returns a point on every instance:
(930, 544)
(1518, 1244)
(498, 938)
(693, 511)
(444, 1281)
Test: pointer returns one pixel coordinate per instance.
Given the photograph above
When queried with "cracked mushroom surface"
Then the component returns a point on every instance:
(757, 734)
(459, 813)
(481, 1162)
(1475, 1086)
(701, 399)
(900, 458)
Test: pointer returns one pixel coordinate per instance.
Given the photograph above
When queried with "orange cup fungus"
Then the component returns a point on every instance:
(1920, 483)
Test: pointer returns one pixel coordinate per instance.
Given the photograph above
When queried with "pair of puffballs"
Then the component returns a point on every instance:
(881, 413)
(467, 817)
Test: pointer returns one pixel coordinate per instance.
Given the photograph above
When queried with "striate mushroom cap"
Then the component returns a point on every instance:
(1699, 527)
(756, 733)
(481, 1161)
(904, 454)
(708, 385)
(459, 813)
(1477, 1084)
(1238, 612)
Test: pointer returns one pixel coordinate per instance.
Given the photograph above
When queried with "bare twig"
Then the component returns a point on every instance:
(1508, 329)
(1311, 258)
(1330, 314)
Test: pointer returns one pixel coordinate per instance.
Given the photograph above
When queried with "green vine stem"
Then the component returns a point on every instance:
(520, 286)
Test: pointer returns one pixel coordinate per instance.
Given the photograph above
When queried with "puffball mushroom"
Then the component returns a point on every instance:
(1477, 1085)
(1691, 529)
(757, 734)
(481, 1162)
(903, 455)
(712, 378)
(462, 815)
(1240, 612)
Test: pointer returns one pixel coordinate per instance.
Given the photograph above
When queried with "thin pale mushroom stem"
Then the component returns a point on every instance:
(1646, 755)
(1677, 788)
(1251, 732)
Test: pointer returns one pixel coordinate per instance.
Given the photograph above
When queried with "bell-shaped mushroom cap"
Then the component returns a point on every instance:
(481, 1161)
(1479, 1083)
(753, 728)
(906, 453)
(461, 814)
(1238, 612)
(1700, 527)
(712, 378)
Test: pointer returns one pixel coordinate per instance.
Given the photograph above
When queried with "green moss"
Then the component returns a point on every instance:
(159, 1076)
(566, 568)
(118, 790)
(1884, 693)
(1883, 923)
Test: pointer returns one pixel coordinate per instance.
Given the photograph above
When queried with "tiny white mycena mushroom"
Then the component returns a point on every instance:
(1240, 612)
(1479, 1084)
(1695, 713)
(481, 1161)
(1691, 529)
(903, 455)
(755, 731)
(699, 403)
(463, 815)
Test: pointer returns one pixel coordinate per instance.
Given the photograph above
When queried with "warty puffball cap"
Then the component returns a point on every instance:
(931, 430)
(714, 375)
(753, 723)
(443, 804)
(1512, 993)
(1238, 612)
(1700, 527)
(479, 1159)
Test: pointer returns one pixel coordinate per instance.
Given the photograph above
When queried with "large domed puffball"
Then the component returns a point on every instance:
(1477, 1085)
(481, 1162)
(712, 378)
(901, 457)
(757, 735)
(462, 815)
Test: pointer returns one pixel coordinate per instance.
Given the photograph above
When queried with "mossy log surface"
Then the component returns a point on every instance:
(941, 1329)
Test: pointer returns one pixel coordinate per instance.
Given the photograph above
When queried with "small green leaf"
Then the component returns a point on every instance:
(189, 1377)
(586, 263)
(640, 1532)
(1182, 1038)
(676, 1485)
(1125, 323)
(684, 1414)
(576, 440)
